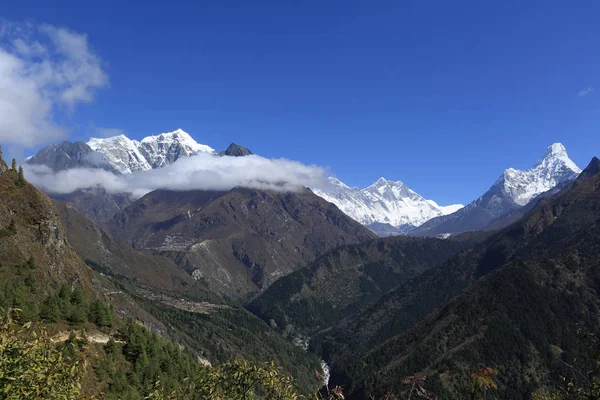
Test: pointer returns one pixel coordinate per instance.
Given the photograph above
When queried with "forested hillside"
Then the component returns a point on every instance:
(90, 330)
(515, 303)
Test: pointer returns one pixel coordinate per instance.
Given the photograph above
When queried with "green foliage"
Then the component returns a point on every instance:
(10, 230)
(32, 367)
(582, 380)
(234, 333)
(131, 370)
(50, 311)
(235, 380)
(14, 165)
(19, 295)
(100, 314)
(482, 381)
(79, 307)
(20, 178)
(312, 299)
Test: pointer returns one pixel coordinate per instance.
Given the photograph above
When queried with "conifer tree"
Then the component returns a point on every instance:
(14, 165)
(12, 227)
(21, 179)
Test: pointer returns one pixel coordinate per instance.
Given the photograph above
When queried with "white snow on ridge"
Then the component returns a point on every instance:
(121, 152)
(553, 168)
(449, 209)
(395, 204)
(128, 156)
(384, 201)
(178, 136)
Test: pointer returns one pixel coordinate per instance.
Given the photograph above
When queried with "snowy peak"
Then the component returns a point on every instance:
(121, 152)
(513, 190)
(128, 156)
(554, 167)
(178, 137)
(383, 183)
(383, 202)
(556, 149)
(335, 181)
(556, 159)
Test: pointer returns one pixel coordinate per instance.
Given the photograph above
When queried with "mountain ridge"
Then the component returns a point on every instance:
(127, 156)
(237, 241)
(384, 201)
(511, 191)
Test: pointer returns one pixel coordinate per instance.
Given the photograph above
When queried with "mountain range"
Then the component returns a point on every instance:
(287, 276)
(384, 203)
(126, 155)
(386, 207)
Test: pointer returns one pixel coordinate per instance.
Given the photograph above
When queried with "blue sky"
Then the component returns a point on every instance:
(441, 95)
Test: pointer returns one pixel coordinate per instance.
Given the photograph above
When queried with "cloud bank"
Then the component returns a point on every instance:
(44, 70)
(202, 171)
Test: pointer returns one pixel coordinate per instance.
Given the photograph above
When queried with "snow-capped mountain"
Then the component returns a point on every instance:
(553, 168)
(513, 190)
(126, 155)
(383, 202)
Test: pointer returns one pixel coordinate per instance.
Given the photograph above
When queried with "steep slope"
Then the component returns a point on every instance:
(38, 264)
(384, 202)
(240, 241)
(36, 257)
(115, 258)
(126, 155)
(347, 279)
(66, 155)
(515, 303)
(30, 228)
(513, 190)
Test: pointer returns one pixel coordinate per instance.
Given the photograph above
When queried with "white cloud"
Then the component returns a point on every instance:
(44, 70)
(586, 91)
(202, 171)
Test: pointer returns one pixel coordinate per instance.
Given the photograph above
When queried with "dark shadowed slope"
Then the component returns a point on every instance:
(236, 150)
(347, 279)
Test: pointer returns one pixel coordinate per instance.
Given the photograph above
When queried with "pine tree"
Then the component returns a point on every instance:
(21, 178)
(79, 309)
(30, 263)
(64, 300)
(50, 311)
(12, 227)
(100, 314)
(14, 165)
